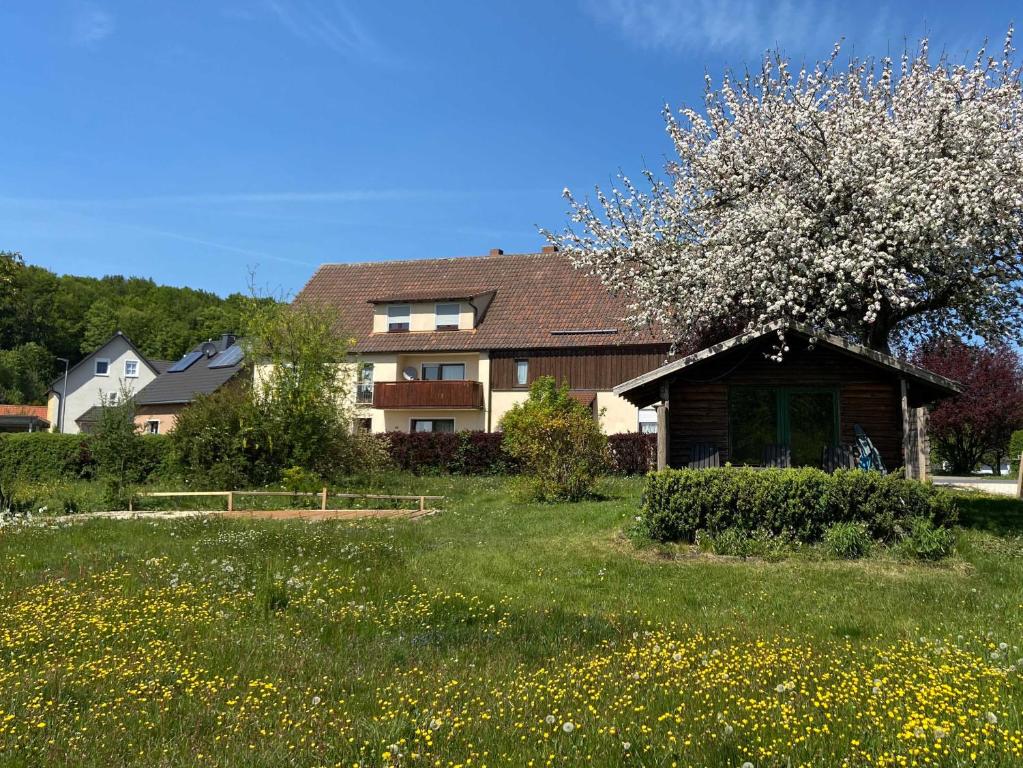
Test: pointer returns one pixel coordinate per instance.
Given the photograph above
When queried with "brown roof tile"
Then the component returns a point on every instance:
(35, 411)
(539, 300)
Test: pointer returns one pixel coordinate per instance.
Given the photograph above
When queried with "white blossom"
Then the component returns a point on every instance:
(880, 202)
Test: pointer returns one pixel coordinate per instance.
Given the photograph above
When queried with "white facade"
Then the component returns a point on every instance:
(115, 367)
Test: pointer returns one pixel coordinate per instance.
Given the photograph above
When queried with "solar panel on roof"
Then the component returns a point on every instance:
(227, 358)
(185, 362)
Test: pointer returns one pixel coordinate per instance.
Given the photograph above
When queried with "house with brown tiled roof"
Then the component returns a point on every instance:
(452, 344)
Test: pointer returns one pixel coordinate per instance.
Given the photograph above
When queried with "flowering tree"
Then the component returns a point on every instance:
(979, 422)
(882, 202)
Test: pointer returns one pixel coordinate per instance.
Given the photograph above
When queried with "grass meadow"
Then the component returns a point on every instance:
(500, 633)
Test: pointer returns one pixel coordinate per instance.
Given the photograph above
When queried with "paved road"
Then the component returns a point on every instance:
(1003, 486)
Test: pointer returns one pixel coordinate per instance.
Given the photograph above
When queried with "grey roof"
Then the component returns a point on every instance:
(90, 415)
(922, 375)
(151, 364)
(184, 386)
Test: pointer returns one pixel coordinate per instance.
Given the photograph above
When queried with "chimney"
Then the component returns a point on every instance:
(226, 340)
(496, 252)
(549, 249)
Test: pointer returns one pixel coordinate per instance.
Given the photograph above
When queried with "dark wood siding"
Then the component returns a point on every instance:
(868, 396)
(579, 368)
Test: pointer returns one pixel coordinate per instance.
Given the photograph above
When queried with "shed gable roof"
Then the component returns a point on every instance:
(537, 300)
(631, 389)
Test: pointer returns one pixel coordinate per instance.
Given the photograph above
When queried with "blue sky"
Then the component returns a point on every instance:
(193, 142)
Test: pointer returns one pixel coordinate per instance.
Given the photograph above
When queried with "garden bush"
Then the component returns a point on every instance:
(559, 444)
(924, 540)
(459, 453)
(44, 456)
(847, 540)
(804, 502)
(632, 453)
(1015, 449)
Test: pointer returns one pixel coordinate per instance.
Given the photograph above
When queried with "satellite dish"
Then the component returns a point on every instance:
(209, 349)
(409, 373)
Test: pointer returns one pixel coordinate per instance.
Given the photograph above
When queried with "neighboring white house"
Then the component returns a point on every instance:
(100, 377)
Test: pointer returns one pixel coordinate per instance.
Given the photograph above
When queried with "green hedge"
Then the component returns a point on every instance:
(803, 502)
(47, 456)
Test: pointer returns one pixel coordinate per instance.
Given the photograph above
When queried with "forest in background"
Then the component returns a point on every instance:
(44, 316)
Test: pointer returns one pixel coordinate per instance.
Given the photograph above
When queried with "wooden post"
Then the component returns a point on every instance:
(909, 450)
(323, 500)
(422, 503)
(230, 501)
(663, 439)
(1019, 478)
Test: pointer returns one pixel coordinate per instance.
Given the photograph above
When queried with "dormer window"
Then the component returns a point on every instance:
(447, 317)
(398, 318)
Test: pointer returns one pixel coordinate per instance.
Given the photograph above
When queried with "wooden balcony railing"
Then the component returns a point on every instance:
(428, 394)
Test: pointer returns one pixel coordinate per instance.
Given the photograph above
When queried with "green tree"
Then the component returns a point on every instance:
(303, 389)
(115, 444)
(213, 442)
(558, 442)
(25, 374)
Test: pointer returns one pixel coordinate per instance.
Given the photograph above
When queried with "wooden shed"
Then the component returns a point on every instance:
(733, 402)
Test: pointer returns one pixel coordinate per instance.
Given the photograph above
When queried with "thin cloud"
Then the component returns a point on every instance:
(91, 25)
(739, 26)
(236, 198)
(332, 26)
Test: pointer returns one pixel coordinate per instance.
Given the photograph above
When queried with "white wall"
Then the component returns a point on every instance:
(423, 316)
(86, 389)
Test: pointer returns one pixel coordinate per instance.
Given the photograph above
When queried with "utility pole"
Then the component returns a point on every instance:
(63, 395)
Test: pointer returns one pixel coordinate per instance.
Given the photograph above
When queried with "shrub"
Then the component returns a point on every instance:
(557, 441)
(463, 453)
(43, 456)
(847, 540)
(736, 542)
(926, 541)
(210, 442)
(1015, 449)
(117, 445)
(632, 453)
(679, 502)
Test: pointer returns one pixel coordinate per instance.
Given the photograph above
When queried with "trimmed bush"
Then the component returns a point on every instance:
(44, 456)
(41, 457)
(847, 540)
(462, 453)
(804, 502)
(632, 453)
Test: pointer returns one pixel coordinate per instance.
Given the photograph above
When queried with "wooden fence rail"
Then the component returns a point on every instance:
(322, 495)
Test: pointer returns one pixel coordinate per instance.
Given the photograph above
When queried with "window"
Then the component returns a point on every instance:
(364, 389)
(433, 425)
(102, 366)
(447, 317)
(521, 373)
(111, 398)
(153, 427)
(444, 371)
(805, 420)
(398, 318)
(362, 425)
(648, 421)
(131, 369)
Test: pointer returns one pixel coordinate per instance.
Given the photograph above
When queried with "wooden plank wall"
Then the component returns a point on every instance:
(868, 396)
(592, 368)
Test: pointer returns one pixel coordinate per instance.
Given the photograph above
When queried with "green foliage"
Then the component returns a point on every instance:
(557, 442)
(1015, 449)
(923, 540)
(116, 443)
(736, 542)
(847, 540)
(70, 316)
(299, 480)
(46, 456)
(680, 502)
(301, 401)
(211, 443)
(25, 373)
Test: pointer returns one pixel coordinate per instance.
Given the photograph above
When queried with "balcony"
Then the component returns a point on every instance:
(428, 394)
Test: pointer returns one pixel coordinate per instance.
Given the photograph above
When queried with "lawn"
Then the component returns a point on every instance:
(499, 633)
